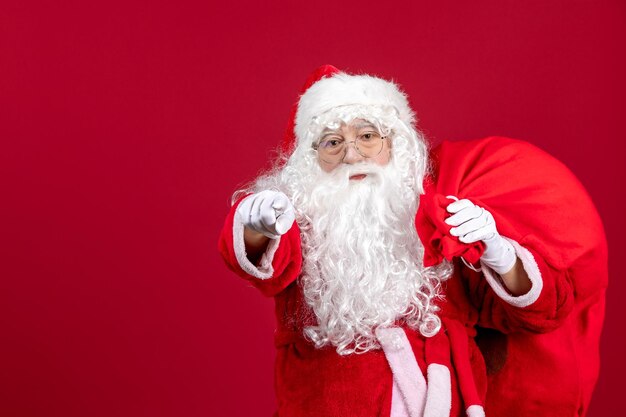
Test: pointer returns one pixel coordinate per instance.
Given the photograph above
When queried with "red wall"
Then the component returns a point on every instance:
(125, 127)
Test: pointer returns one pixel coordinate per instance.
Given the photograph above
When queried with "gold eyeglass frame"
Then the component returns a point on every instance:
(345, 150)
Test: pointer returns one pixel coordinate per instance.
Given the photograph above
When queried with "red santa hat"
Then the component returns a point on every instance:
(328, 88)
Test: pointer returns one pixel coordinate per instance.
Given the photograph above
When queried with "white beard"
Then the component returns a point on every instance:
(363, 258)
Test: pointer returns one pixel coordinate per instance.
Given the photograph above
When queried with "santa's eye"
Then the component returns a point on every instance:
(330, 143)
(369, 136)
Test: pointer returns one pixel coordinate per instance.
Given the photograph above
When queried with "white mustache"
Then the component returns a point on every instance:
(343, 173)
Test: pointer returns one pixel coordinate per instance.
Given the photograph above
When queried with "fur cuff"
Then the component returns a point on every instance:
(264, 269)
(531, 268)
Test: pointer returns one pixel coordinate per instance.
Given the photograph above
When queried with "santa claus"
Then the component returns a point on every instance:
(377, 308)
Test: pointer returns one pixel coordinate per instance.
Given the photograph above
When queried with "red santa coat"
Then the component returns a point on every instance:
(537, 369)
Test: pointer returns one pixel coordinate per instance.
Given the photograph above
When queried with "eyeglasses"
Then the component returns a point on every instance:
(332, 148)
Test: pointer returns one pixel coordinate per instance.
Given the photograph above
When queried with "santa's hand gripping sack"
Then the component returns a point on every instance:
(391, 264)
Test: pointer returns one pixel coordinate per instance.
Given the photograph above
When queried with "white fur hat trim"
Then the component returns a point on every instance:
(344, 89)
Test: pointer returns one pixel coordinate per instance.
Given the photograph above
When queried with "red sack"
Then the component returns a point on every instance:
(538, 202)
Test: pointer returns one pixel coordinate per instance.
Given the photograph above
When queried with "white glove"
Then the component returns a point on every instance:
(474, 223)
(268, 212)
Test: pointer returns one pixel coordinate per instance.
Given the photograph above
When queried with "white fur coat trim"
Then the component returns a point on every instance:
(439, 397)
(408, 380)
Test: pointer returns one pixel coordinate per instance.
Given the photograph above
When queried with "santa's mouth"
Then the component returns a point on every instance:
(358, 177)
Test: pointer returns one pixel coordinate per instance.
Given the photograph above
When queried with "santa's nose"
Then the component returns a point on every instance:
(352, 155)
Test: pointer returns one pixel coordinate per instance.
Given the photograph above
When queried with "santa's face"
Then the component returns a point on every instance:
(358, 141)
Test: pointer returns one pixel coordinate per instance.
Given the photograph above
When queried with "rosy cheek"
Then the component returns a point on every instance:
(326, 167)
(383, 159)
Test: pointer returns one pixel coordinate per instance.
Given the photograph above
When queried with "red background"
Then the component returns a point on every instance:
(125, 128)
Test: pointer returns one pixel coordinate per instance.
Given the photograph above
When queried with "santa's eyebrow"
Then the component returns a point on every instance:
(361, 125)
(357, 125)
(329, 131)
